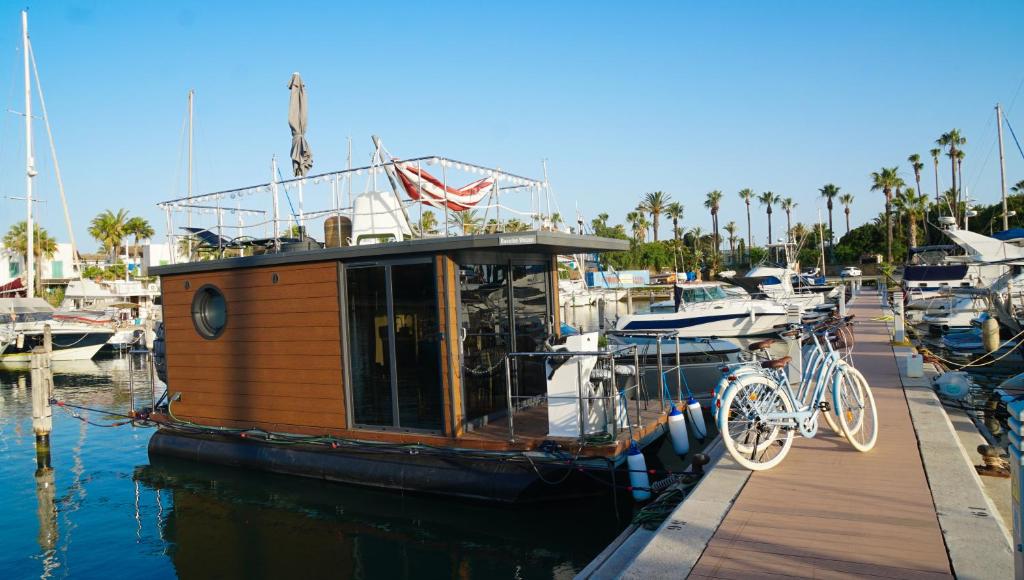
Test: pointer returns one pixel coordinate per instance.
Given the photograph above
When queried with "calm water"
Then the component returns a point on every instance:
(110, 511)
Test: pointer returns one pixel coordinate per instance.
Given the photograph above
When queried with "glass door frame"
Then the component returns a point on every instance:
(393, 363)
(509, 261)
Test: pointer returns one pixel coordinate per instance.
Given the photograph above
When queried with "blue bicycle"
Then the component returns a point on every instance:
(758, 412)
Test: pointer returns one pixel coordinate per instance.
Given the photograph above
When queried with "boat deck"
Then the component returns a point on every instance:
(531, 427)
(829, 511)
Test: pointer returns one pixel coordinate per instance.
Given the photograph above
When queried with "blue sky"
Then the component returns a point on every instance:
(622, 98)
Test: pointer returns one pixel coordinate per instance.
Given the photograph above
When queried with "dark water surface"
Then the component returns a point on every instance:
(111, 512)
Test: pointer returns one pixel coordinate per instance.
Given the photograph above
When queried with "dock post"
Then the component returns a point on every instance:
(42, 418)
(629, 301)
(600, 313)
(131, 384)
(899, 326)
(842, 300)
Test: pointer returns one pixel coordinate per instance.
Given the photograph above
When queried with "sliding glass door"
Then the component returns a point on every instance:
(394, 346)
(504, 307)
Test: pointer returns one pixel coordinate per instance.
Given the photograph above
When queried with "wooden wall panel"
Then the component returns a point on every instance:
(278, 361)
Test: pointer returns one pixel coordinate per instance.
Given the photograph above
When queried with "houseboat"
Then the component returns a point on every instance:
(430, 364)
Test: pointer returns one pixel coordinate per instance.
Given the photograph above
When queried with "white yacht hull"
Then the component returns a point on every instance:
(752, 318)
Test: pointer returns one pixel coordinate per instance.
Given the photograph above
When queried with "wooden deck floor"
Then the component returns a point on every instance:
(829, 511)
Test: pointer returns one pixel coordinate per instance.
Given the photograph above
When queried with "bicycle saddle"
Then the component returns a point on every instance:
(778, 363)
(762, 344)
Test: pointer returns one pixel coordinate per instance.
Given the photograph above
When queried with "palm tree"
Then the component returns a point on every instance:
(638, 223)
(800, 231)
(1018, 187)
(654, 203)
(428, 223)
(915, 163)
(600, 222)
(747, 195)
(731, 228)
(674, 211)
(935, 161)
(913, 206)
(830, 191)
(43, 245)
(768, 199)
(713, 201)
(887, 180)
(515, 225)
(470, 221)
(695, 234)
(787, 206)
(847, 200)
(108, 229)
(953, 140)
(140, 229)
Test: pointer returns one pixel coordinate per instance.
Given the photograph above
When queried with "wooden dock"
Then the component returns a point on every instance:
(829, 511)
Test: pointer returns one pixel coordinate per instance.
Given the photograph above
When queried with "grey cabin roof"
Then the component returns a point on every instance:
(536, 242)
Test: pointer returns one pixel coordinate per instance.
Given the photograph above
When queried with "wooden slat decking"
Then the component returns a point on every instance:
(829, 511)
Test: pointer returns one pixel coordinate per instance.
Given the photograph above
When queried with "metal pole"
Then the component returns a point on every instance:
(1002, 166)
(679, 373)
(30, 169)
(508, 398)
(579, 398)
(661, 376)
(191, 93)
(636, 370)
(444, 183)
(273, 190)
(171, 246)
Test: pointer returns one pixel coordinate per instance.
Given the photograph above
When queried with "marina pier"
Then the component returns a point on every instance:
(912, 508)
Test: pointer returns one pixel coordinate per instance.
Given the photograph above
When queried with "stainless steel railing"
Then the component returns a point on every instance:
(605, 374)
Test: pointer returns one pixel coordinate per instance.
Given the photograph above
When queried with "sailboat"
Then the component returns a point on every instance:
(27, 318)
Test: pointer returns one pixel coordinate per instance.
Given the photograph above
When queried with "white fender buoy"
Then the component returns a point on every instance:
(638, 479)
(677, 431)
(990, 334)
(700, 430)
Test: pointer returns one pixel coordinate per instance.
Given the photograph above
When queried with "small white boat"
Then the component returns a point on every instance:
(706, 310)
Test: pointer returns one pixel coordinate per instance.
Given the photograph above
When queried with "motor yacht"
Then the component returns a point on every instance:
(704, 309)
(26, 319)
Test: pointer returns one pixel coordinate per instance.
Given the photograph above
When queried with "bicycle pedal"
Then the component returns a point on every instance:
(824, 406)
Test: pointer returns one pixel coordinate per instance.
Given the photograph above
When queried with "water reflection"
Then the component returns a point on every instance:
(234, 523)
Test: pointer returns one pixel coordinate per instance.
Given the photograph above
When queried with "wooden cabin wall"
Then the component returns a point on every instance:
(278, 363)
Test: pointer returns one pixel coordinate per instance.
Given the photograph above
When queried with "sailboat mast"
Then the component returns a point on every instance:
(1002, 166)
(188, 180)
(30, 170)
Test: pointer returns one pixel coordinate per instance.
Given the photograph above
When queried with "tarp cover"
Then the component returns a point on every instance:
(934, 273)
(13, 288)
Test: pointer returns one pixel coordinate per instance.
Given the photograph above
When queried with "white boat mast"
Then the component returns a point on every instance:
(188, 179)
(1002, 165)
(30, 170)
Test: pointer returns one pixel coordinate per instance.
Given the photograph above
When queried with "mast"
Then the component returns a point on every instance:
(30, 170)
(1002, 166)
(191, 99)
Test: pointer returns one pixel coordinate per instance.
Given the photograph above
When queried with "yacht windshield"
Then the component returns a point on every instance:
(703, 294)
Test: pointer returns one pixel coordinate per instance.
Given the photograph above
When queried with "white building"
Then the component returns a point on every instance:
(60, 268)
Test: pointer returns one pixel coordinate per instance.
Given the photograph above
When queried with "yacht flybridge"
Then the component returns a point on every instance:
(399, 351)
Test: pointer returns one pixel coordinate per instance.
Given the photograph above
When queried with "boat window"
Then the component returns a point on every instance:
(209, 311)
(369, 355)
(716, 293)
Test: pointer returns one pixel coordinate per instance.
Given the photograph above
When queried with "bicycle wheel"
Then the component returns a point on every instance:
(756, 443)
(855, 408)
(829, 395)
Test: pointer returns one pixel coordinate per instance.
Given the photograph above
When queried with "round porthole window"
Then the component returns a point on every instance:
(209, 311)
